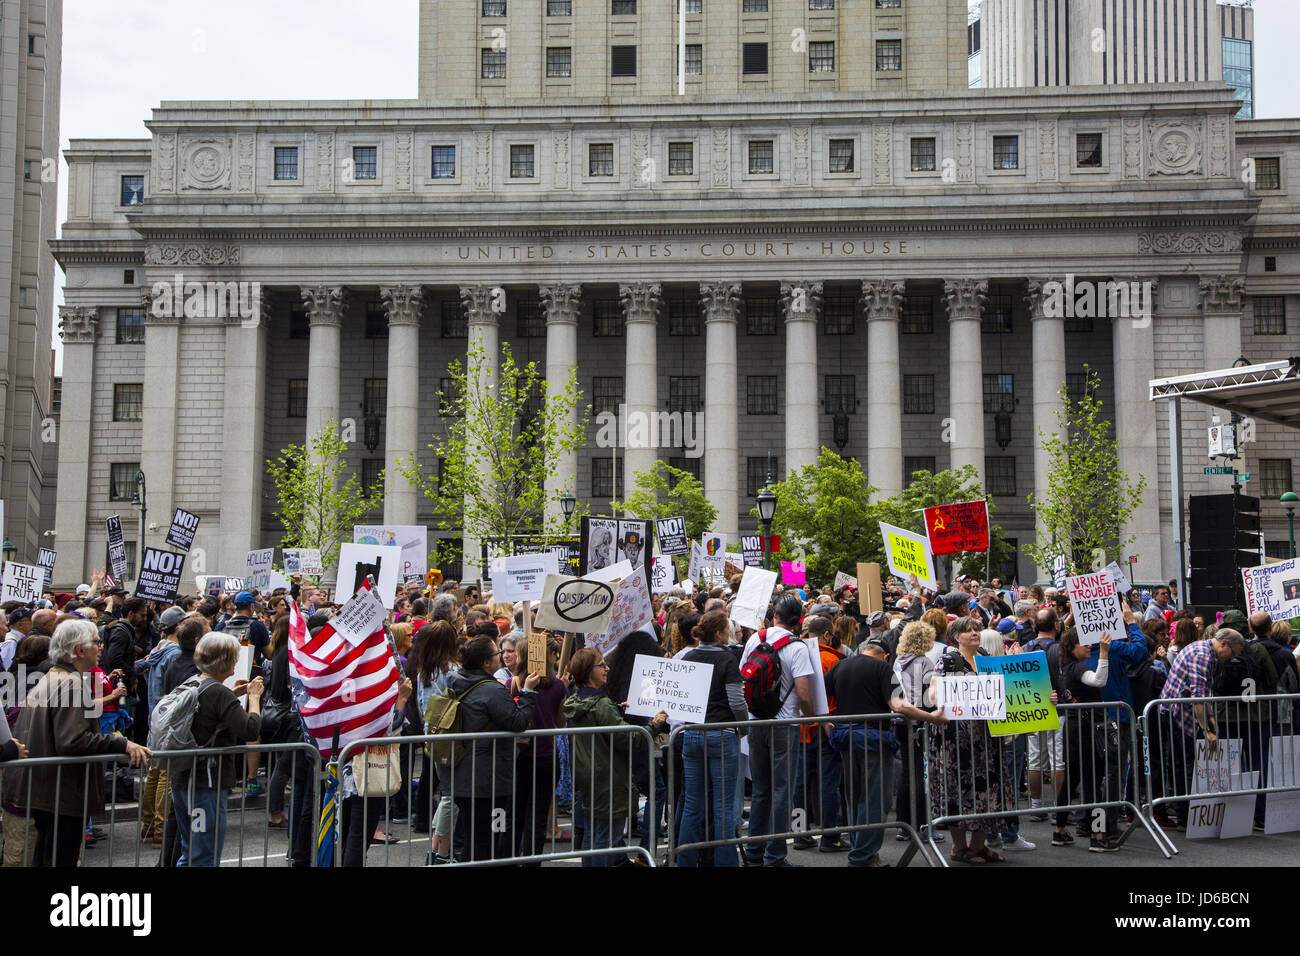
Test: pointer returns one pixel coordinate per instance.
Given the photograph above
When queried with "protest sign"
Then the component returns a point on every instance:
(184, 526)
(750, 607)
(794, 573)
(632, 611)
(821, 704)
(1059, 572)
(292, 562)
(1274, 588)
(751, 546)
(243, 669)
(1096, 607)
(359, 561)
(681, 688)
(844, 580)
(908, 553)
(972, 697)
(662, 575)
(870, 597)
(46, 559)
(22, 582)
(613, 573)
(211, 585)
(959, 527)
(234, 585)
(309, 562)
(697, 562)
(160, 575)
(359, 617)
(519, 577)
(1282, 810)
(1028, 693)
(672, 536)
(1217, 771)
(276, 581)
(575, 604)
(714, 544)
(606, 541)
(1122, 583)
(116, 547)
(412, 539)
(257, 568)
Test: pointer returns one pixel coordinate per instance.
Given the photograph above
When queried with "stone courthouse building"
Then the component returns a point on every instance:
(825, 240)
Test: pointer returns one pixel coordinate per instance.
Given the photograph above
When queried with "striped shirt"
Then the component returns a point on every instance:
(1189, 677)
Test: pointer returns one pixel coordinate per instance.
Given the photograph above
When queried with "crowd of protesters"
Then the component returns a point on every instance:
(92, 667)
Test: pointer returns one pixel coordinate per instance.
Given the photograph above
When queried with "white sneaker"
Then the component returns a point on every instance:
(1020, 843)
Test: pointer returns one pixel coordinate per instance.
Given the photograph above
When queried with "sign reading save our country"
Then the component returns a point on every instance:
(908, 553)
(954, 528)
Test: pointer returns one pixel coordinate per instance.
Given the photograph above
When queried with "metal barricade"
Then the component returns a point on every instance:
(973, 777)
(1252, 734)
(131, 818)
(797, 786)
(507, 789)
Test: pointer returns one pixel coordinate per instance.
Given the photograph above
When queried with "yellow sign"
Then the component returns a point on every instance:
(908, 553)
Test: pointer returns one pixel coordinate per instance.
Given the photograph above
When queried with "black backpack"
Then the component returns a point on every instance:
(1053, 651)
(1146, 681)
(1239, 677)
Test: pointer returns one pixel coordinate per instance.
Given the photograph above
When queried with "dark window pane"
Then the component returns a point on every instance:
(622, 61)
(444, 162)
(839, 314)
(918, 394)
(132, 190)
(917, 315)
(754, 58)
(130, 326)
(996, 316)
(297, 398)
(1270, 314)
(128, 403)
(607, 316)
(455, 325)
(760, 315)
(760, 394)
(286, 162)
(841, 394)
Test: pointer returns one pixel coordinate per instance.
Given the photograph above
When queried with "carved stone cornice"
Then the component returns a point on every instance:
(404, 304)
(191, 254)
(1188, 243)
(326, 304)
(77, 324)
(1222, 294)
(965, 298)
(882, 298)
(801, 300)
(641, 301)
(562, 301)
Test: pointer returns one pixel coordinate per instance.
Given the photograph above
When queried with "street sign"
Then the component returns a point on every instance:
(1245, 477)
(1217, 470)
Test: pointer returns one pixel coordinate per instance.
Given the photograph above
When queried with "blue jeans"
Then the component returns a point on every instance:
(598, 833)
(202, 825)
(711, 779)
(650, 828)
(772, 753)
(1014, 753)
(871, 786)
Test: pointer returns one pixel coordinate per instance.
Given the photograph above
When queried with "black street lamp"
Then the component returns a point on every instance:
(1289, 500)
(567, 504)
(10, 552)
(138, 500)
(766, 502)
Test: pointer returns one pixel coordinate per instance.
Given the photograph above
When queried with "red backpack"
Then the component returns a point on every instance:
(761, 675)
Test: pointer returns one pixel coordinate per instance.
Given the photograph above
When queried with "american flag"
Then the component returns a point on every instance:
(108, 579)
(351, 687)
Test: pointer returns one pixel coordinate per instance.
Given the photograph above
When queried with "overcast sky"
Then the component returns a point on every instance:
(121, 58)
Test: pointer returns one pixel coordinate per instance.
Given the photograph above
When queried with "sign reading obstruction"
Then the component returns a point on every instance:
(575, 604)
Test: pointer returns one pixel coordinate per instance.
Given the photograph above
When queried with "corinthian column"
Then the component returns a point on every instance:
(481, 372)
(641, 311)
(1221, 302)
(77, 328)
(882, 298)
(562, 301)
(326, 306)
(801, 301)
(965, 299)
(1049, 376)
(405, 305)
(721, 452)
(1135, 432)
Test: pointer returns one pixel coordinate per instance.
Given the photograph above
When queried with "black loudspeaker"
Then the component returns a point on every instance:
(1216, 556)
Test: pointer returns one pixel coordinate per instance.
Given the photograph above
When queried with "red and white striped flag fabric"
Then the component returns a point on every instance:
(352, 687)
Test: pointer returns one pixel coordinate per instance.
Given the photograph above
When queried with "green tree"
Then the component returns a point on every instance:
(1081, 515)
(503, 441)
(665, 492)
(317, 506)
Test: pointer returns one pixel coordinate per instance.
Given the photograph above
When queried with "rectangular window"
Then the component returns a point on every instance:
(128, 403)
(521, 161)
(1268, 173)
(559, 8)
(606, 394)
(376, 321)
(681, 159)
(1000, 475)
(121, 480)
(760, 394)
(492, 64)
(1274, 477)
(443, 163)
(923, 153)
(530, 318)
(494, 8)
(132, 190)
(455, 324)
(684, 393)
(888, 4)
(821, 57)
(917, 315)
(372, 476)
(365, 163)
(532, 406)
(1006, 152)
(130, 326)
(605, 481)
(839, 314)
(600, 159)
(1087, 150)
(689, 465)
(999, 392)
(694, 6)
(841, 394)
(286, 163)
(622, 61)
(27, 170)
(623, 8)
(918, 394)
(448, 398)
(1078, 324)
(374, 396)
(683, 314)
(756, 474)
(299, 322)
(821, 4)
(753, 58)
(694, 59)
(1076, 384)
(128, 277)
(760, 315)
(1281, 550)
(31, 43)
(996, 316)
(754, 6)
(607, 318)
(297, 400)
(559, 61)
(761, 161)
(889, 55)
(1270, 314)
(841, 156)
(914, 463)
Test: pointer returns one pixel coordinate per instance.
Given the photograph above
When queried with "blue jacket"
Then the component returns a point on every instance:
(1122, 655)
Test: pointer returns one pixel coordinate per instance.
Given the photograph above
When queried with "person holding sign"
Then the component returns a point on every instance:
(1086, 737)
(966, 774)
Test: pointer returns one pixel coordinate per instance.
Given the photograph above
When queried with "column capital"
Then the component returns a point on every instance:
(160, 305)
(404, 304)
(641, 301)
(1040, 290)
(478, 301)
(882, 298)
(801, 300)
(77, 324)
(259, 311)
(1222, 294)
(325, 304)
(562, 301)
(965, 298)
(721, 300)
